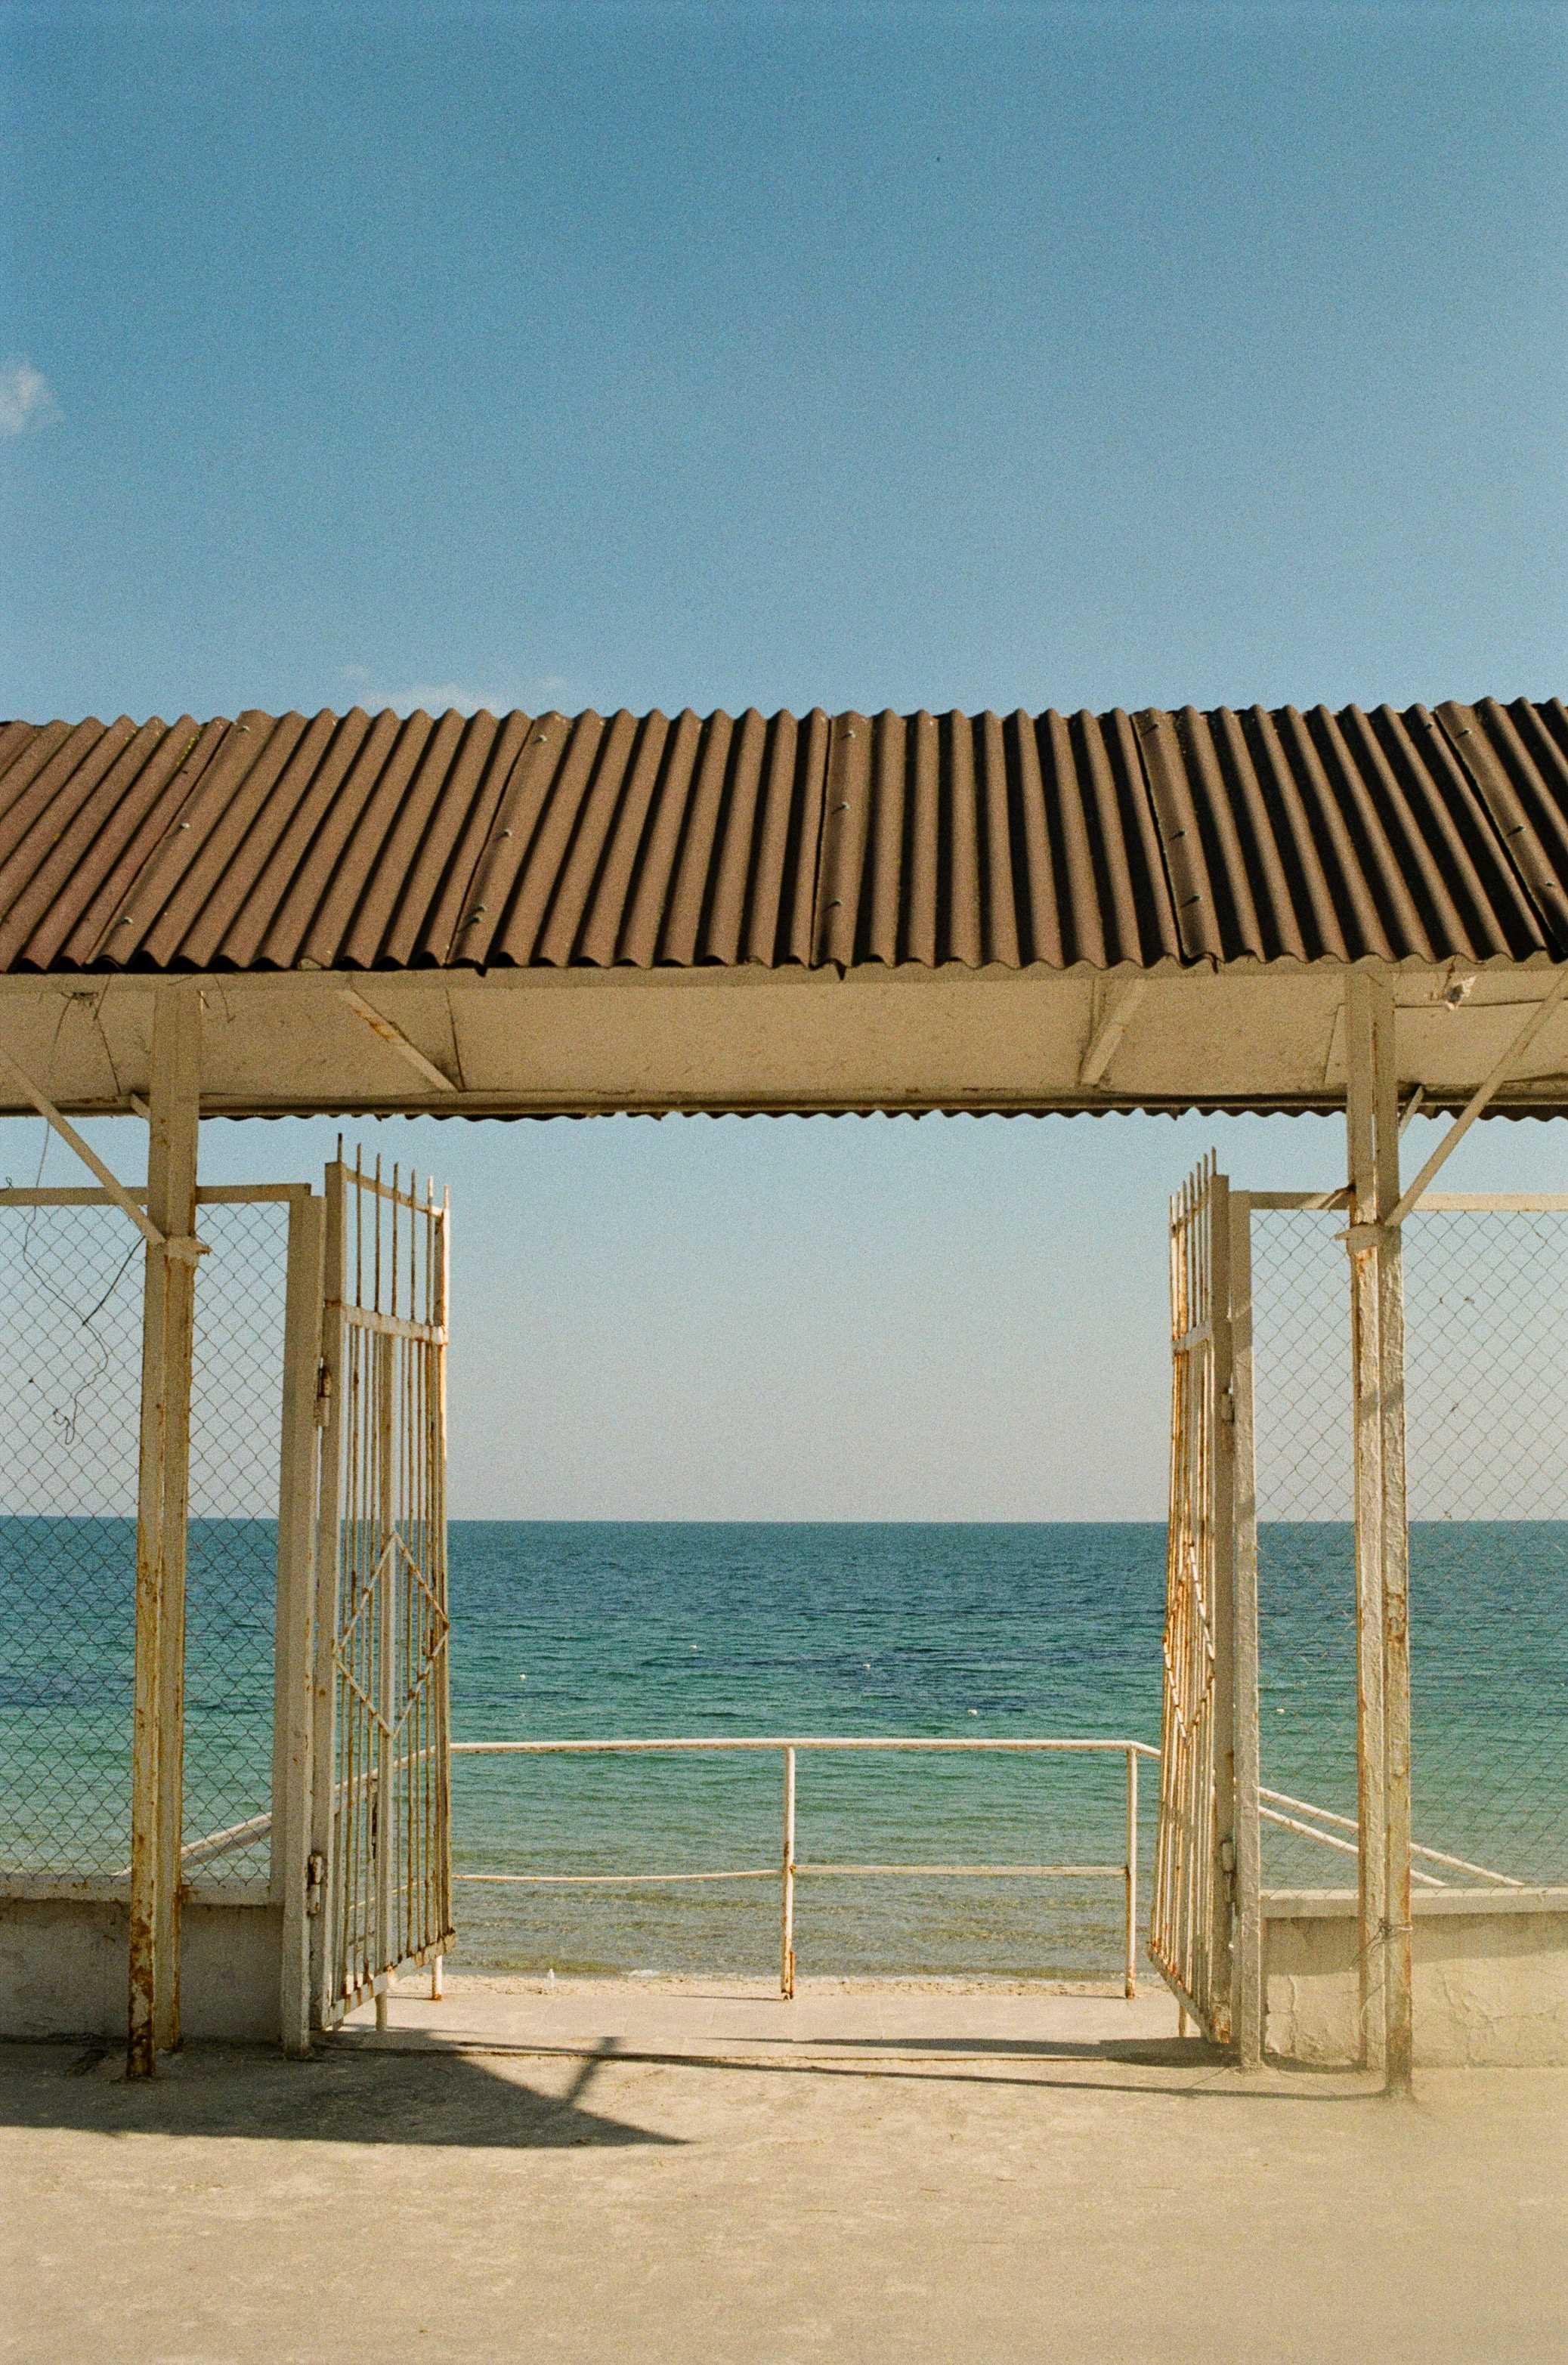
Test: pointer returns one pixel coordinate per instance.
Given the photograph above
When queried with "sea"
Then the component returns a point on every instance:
(593, 1631)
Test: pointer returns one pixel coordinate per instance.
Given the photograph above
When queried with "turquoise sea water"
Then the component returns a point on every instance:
(586, 1631)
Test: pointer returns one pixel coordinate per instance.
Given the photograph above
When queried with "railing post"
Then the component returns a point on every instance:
(786, 1886)
(1132, 1873)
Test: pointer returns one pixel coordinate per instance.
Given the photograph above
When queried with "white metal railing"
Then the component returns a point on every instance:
(1309, 1831)
(1305, 1818)
(790, 1869)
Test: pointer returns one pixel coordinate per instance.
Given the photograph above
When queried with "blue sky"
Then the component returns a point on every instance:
(716, 355)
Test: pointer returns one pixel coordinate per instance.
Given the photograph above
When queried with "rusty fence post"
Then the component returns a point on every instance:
(1132, 1875)
(157, 1783)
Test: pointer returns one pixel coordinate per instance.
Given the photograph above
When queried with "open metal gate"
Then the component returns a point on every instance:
(383, 1798)
(1189, 1919)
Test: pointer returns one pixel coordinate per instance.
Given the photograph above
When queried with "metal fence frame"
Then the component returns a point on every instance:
(1255, 1804)
(299, 1349)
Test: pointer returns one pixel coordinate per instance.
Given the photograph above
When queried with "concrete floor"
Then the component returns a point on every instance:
(610, 2170)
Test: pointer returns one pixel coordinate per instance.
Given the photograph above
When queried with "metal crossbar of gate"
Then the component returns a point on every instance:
(382, 1791)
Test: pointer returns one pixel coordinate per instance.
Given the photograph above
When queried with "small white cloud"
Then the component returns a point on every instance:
(435, 697)
(536, 697)
(27, 398)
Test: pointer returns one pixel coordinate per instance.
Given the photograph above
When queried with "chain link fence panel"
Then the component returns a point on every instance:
(232, 1547)
(71, 1382)
(1486, 1305)
(70, 1385)
(1486, 1319)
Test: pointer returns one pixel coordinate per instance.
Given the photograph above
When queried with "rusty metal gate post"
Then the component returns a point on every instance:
(162, 1496)
(1371, 1111)
(1247, 2016)
(1190, 1917)
(292, 1718)
(1223, 1562)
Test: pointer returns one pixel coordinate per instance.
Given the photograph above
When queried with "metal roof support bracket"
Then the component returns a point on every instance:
(398, 1041)
(1116, 1016)
(94, 1165)
(1479, 1099)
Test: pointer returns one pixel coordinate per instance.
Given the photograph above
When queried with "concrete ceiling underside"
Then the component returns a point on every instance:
(517, 1043)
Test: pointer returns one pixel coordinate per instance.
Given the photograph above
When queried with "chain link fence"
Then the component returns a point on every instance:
(232, 1547)
(70, 1385)
(1486, 1313)
(71, 1382)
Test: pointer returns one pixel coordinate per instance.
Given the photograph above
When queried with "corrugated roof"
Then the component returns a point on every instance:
(361, 842)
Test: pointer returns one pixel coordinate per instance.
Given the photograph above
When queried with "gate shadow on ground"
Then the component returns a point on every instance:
(410, 2091)
(347, 2095)
(1182, 2069)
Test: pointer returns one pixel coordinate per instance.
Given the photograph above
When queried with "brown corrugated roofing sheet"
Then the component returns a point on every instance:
(361, 842)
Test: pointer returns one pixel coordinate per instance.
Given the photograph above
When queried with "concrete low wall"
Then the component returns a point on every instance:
(1491, 1977)
(63, 1967)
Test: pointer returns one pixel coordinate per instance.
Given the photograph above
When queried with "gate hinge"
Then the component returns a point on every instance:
(1227, 1402)
(1227, 1855)
(323, 1391)
(315, 1880)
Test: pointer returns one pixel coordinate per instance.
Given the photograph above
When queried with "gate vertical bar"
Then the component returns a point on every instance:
(1221, 1836)
(438, 1524)
(293, 1717)
(326, 1867)
(1368, 1440)
(1247, 1963)
(385, 1577)
(163, 1497)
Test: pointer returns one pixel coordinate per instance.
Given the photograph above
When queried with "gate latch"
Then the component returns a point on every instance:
(315, 1880)
(1227, 1402)
(1227, 1855)
(323, 1393)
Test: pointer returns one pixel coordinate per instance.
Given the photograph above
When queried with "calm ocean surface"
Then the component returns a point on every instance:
(585, 1631)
